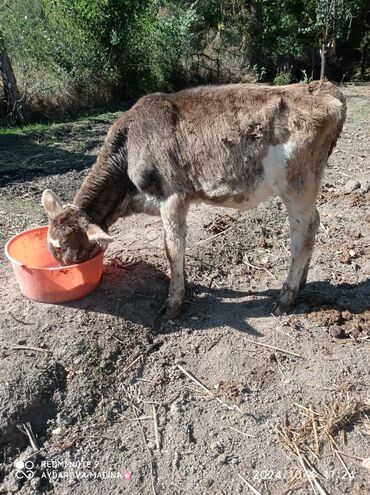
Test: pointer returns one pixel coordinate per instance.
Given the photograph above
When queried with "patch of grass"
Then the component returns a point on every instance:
(39, 128)
(17, 214)
(53, 147)
(30, 128)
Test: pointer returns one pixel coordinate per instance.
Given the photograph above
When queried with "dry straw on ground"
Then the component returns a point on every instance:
(324, 427)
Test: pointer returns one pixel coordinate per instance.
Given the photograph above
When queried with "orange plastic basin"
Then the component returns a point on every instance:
(39, 275)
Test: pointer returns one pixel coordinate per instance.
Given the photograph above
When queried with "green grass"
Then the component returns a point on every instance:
(6, 131)
(52, 147)
(18, 213)
(38, 128)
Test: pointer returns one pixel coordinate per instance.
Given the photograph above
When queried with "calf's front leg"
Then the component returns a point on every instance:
(173, 213)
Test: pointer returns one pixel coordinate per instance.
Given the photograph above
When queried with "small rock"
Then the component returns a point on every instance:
(58, 431)
(351, 185)
(222, 459)
(365, 187)
(151, 445)
(346, 315)
(354, 333)
(336, 331)
(174, 409)
(366, 463)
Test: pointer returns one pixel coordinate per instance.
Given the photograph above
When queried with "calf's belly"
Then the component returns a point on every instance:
(271, 182)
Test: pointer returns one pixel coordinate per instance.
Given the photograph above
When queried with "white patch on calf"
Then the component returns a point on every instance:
(54, 242)
(274, 180)
(274, 166)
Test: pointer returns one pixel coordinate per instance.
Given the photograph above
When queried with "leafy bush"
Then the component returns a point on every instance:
(283, 77)
(71, 55)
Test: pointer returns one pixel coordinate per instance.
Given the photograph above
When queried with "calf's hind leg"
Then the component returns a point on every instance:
(173, 213)
(304, 223)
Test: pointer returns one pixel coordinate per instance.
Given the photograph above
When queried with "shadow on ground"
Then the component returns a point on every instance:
(137, 294)
(23, 159)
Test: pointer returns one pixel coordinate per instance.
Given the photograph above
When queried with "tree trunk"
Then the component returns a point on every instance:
(11, 92)
(364, 57)
(256, 49)
(322, 54)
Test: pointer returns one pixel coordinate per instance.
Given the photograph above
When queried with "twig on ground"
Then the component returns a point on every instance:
(252, 489)
(28, 348)
(140, 418)
(343, 173)
(324, 228)
(321, 426)
(242, 432)
(216, 235)
(33, 157)
(193, 379)
(156, 432)
(279, 330)
(148, 450)
(27, 430)
(334, 447)
(314, 429)
(209, 392)
(148, 381)
(285, 248)
(118, 339)
(280, 366)
(202, 261)
(130, 365)
(308, 410)
(18, 320)
(246, 262)
(275, 348)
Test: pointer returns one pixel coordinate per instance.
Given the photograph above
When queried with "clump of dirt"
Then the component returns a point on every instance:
(230, 391)
(344, 324)
(220, 223)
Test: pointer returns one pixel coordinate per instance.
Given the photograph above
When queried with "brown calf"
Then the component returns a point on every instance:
(230, 146)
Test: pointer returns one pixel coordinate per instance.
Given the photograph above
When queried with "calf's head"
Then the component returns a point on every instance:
(72, 238)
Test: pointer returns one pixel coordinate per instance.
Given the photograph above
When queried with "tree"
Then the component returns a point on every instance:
(333, 19)
(11, 92)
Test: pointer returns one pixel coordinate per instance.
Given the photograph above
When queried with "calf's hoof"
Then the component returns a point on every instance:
(171, 309)
(287, 298)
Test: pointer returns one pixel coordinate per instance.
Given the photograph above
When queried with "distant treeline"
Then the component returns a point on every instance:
(61, 57)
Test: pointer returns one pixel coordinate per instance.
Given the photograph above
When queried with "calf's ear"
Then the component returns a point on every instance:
(51, 203)
(96, 234)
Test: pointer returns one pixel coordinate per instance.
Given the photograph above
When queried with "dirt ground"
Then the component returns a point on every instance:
(103, 396)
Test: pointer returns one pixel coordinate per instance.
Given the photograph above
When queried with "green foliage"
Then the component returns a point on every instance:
(160, 42)
(305, 79)
(283, 77)
(74, 53)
